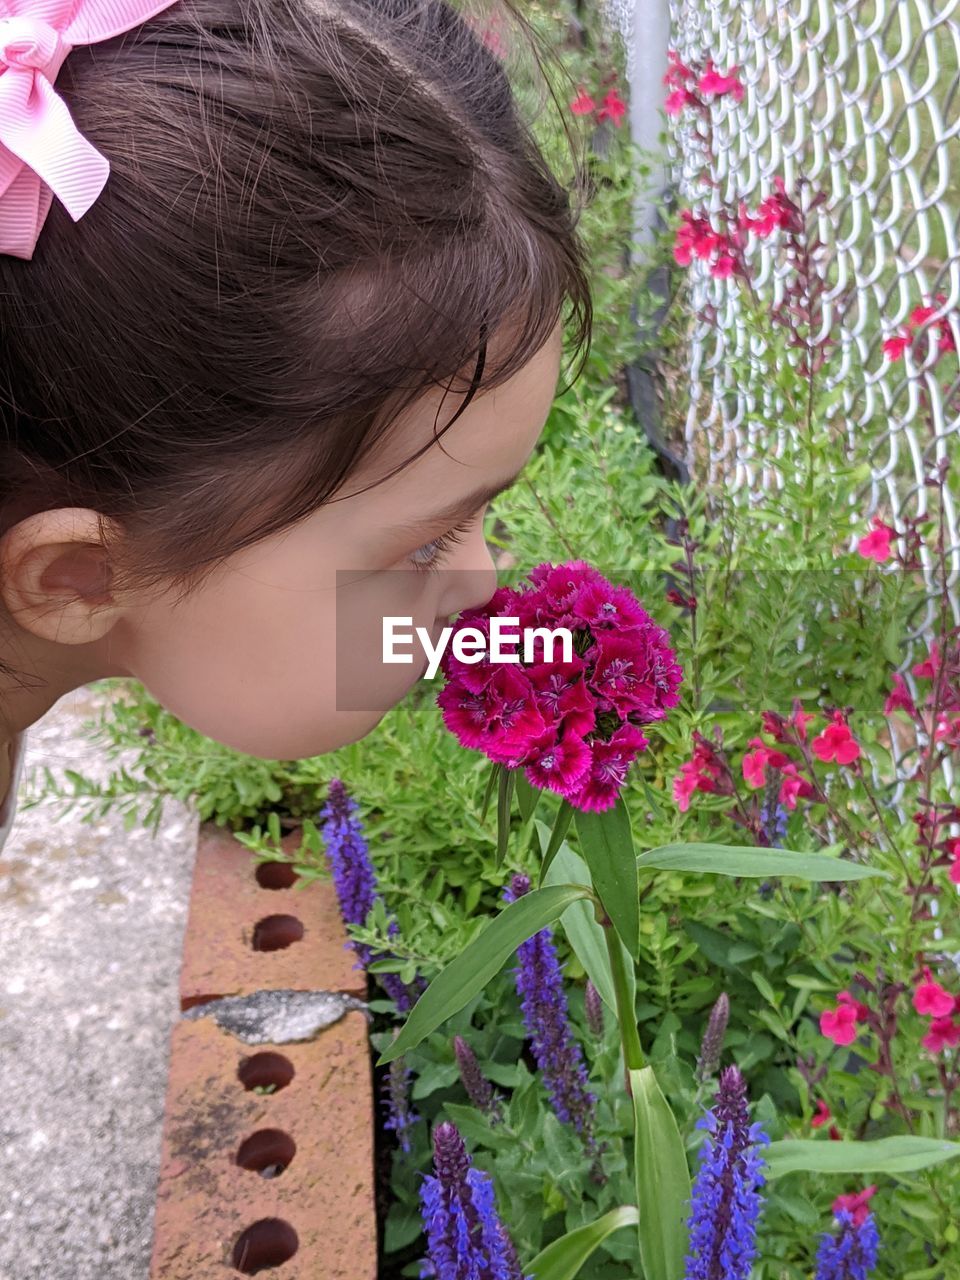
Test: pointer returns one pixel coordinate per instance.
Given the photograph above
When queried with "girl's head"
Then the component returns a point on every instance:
(312, 322)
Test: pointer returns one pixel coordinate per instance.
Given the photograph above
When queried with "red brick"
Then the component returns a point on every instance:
(205, 1200)
(226, 904)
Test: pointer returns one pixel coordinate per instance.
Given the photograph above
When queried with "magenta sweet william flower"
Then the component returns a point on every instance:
(574, 726)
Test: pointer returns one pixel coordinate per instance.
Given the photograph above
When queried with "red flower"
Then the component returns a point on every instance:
(723, 268)
(900, 697)
(930, 665)
(836, 742)
(702, 773)
(931, 998)
(755, 762)
(823, 1115)
(718, 82)
(876, 544)
(678, 72)
(583, 104)
(840, 1024)
(695, 238)
(893, 348)
(793, 787)
(678, 100)
(855, 1203)
(613, 108)
(955, 871)
(944, 1033)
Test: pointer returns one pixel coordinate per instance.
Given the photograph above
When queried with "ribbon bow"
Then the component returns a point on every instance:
(42, 153)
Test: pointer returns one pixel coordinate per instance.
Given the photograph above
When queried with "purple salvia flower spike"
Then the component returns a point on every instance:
(545, 1012)
(465, 1238)
(396, 1096)
(850, 1254)
(725, 1202)
(712, 1044)
(355, 881)
(593, 1007)
(479, 1089)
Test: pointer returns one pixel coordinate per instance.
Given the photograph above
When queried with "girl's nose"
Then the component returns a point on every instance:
(470, 579)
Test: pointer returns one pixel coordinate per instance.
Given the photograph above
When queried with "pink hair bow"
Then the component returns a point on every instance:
(42, 153)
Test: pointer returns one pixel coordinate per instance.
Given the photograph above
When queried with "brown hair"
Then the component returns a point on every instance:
(317, 209)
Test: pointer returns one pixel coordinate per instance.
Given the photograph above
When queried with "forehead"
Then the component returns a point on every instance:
(490, 440)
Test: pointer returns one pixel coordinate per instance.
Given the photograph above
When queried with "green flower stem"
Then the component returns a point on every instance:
(626, 1014)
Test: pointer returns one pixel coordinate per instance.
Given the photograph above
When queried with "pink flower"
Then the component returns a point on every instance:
(899, 698)
(601, 784)
(793, 787)
(678, 73)
(836, 742)
(583, 104)
(574, 727)
(755, 762)
(723, 268)
(773, 212)
(823, 1115)
(613, 108)
(697, 239)
(855, 1203)
(876, 544)
(893, 348)
(678, 100)
(702, 773)
(840, 1024)
(931, 998)
(955, 871)
(718, 82)
(943, 1033)
(928, 669)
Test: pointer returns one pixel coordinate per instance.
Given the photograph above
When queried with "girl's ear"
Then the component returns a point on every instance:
(56, 575)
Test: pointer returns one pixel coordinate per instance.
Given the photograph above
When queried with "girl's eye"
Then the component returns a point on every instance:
(428, 556)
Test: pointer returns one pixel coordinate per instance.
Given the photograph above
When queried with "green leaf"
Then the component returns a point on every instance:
(663, 1180)
(745, 860)
(528, 797)
(606, 842)
(473, 968)
(563, 1259)
(560, 828)
(488, 789)
(504, 799)
(579, 923)
(902, 1154)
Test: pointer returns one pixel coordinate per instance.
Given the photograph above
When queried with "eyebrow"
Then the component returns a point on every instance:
(450, 515)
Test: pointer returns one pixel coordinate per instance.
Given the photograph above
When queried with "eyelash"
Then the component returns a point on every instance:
(439, 547)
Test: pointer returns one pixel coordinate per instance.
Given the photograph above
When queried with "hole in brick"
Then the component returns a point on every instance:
(265, 1244)
(265, 1069)
(276, 875)
(273, 933)
(267, 1152)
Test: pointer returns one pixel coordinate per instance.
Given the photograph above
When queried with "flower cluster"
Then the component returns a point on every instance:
(894, 346)
(574, 727)
(612, 107)
(723, 249)
(691, 87)
(726, 1199)
(781, 777)
(546, 1016)
(355, 880)
(465, 1238)
(851, 1252)
(935, 1002)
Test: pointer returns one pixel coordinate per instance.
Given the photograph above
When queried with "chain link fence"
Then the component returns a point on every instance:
(858, 100)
